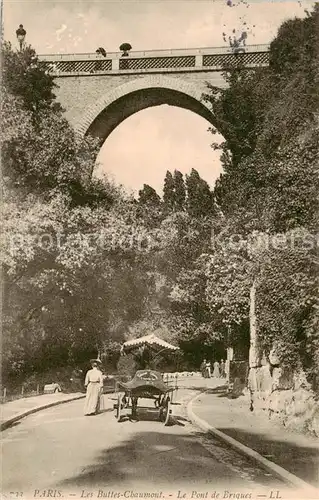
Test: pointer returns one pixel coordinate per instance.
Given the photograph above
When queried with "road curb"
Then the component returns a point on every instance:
(275, 469)
(7, 423)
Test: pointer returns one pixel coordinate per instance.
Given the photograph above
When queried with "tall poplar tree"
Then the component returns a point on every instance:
(199, 195)
(148, 196)
(169, 191)
(180, 191)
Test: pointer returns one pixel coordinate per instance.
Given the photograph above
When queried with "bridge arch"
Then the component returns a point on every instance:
(101, 118)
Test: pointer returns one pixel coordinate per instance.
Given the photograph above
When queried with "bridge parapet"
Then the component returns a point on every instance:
(178, 60)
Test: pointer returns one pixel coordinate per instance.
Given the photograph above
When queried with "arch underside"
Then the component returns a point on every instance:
(130, 103)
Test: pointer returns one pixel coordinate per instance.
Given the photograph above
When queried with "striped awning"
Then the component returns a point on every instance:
(148, 340)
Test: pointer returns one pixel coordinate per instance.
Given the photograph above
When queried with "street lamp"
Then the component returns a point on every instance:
(21, 33)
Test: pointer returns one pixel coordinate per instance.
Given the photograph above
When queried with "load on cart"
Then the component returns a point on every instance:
(146, 384)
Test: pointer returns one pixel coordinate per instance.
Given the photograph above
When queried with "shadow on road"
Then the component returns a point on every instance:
(221, 391)
(107, 410)
(155, 459)
(303, 461)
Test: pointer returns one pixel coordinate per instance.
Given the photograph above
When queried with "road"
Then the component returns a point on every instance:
(94, 457)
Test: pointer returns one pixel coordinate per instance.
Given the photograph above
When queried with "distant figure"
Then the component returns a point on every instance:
(98, 66)
(94, 388)
(203, 368)
(222, 369)
(216, 372)
(21, 33)
(238, 44)
(208, 369)
(101, 51)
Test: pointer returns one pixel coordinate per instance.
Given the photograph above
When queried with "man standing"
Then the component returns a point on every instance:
(21, 33)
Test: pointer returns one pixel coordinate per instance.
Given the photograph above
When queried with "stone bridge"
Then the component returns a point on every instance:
(98, 92)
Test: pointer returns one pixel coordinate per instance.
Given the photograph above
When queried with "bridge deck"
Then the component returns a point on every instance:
(179, 60)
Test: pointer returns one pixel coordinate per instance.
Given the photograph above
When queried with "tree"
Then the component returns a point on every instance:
(264, 108)
(174, 192)
(46, 158)
(40, 151)
(142, 265)
(179, 191)
(287, 302)
(295, 45)
(199, 195)
(239, 112)
(169, 191)
(24, 77)
(269, 185)
(63, 246)
(55, 259)
(274, 194)
(148, 196)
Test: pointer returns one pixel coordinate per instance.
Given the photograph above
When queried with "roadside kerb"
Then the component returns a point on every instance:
(275, 469)
(7, 423)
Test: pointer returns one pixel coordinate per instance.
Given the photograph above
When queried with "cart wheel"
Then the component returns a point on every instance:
(166, 412)
(119, 407)
(134, 409)
(168, 417)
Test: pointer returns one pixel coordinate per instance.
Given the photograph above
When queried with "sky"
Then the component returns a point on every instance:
(143, 147)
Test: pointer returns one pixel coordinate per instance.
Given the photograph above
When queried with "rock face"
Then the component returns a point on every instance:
(274, 358)
(238, 378)
(286, 397)
(283, 393)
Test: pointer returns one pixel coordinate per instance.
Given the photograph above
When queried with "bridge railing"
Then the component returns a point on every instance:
(209, 58)
(150, 53)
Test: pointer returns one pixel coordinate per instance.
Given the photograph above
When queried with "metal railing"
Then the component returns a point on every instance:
(208, 62)
(151, 53)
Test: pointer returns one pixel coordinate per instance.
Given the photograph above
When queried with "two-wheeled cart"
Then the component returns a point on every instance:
(146, 384)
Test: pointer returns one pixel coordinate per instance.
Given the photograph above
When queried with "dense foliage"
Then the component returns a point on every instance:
(86, 266)
(23, 76)
(269, 119)
(67, 290)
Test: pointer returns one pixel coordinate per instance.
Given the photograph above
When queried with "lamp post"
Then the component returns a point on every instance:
(21, 33)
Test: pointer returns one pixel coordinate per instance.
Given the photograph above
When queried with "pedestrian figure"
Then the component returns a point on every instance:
(216, 372)
(222, 369)
(94, 388)
(21, 33)
(101, 51)
(98, 66)
(203, 368)
(208, 369)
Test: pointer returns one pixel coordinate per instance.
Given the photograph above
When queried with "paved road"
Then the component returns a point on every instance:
(81, 457)
(297, 453)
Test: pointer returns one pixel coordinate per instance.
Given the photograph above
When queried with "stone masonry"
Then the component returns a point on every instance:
(98, 93)
(79, 95)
